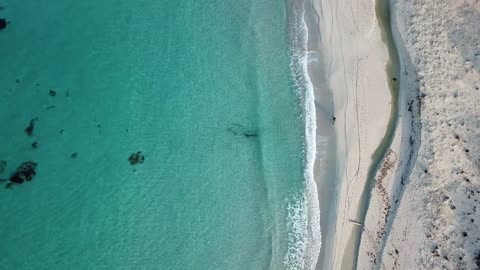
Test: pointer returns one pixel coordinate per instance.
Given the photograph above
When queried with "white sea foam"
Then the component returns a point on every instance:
(304, 238)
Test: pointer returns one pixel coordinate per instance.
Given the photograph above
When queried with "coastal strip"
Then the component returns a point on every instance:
(354, 58)
(324, 169)
(432, 184)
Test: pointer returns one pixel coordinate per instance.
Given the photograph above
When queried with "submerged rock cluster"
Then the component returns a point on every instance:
(136, 158)
(25, 172)
(31, 126)
(3, 24)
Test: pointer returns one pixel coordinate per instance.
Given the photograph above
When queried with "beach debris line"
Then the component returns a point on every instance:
(136, 158)
(31, 126)
(242, 131)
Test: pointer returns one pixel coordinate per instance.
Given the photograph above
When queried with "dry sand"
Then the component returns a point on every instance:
(354, 58)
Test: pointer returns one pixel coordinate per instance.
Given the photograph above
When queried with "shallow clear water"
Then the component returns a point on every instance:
(202, 88)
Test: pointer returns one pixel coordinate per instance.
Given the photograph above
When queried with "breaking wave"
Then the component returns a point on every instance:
(303, 224)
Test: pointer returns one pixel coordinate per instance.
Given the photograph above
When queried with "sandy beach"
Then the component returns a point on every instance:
(354, 66)
(422, 210)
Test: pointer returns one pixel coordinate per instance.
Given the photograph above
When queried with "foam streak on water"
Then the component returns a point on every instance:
(304, 239)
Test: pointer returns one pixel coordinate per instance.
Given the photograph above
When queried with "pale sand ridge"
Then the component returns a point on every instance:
(425, 210)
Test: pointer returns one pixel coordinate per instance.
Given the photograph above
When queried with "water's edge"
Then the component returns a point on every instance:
(320, 149)
(316, 95)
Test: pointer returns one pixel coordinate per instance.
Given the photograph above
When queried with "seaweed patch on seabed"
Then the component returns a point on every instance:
(25, 172)
(31, 126)
(136, 158)
(241, 131)
(3, 24)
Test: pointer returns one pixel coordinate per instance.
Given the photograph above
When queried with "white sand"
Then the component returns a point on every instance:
(355, 65)
(431, 221)
(424, 212)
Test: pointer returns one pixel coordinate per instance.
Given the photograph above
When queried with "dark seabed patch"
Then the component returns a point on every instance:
(25, 172)
(242, 131)
(3, 24)
(136, 158)
(31, 126)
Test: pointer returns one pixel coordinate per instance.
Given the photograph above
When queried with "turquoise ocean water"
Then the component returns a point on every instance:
(203, 88)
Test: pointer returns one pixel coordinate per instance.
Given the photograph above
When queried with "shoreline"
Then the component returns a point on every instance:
(317, 103)
(299, 40)
(325, 159)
